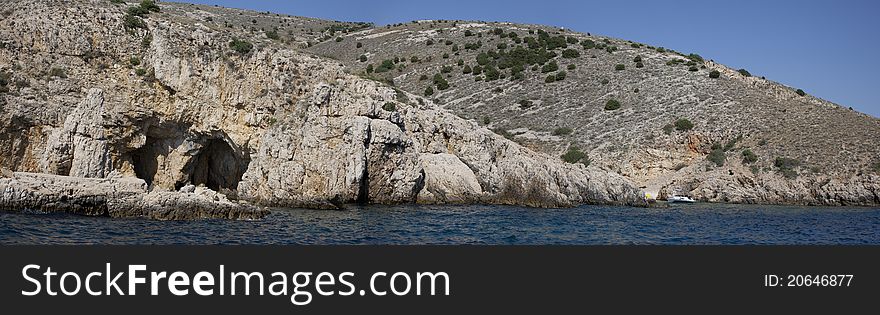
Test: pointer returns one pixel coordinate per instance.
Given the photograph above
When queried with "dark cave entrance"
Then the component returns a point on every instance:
(145, 161)
(217, 166)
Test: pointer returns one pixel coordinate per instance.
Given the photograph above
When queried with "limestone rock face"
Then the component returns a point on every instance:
(448, 179)
(174, 107)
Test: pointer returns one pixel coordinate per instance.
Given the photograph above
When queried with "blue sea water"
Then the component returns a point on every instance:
(685, 224)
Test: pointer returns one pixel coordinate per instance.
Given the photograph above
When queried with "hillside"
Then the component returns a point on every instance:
(212, 110)
(739, 137)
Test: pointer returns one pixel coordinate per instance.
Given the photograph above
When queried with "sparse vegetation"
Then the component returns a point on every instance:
(787, 166)
(683, 124)
(717, 157)
(140, 72)
(575, 155)
(525, 104)
(440, 82)
(571, 67)
(744, 72)
(390, 106)
(612, 104)
(550, 67)
(58, 73)
(385, 66)
(134, 61)
(570, 53)
(619, 67)
(562, 131)
(801, 92)
(363, 58)
(429, 91)
(667, 129)
(240, 46)
(131, 22)
(714, 74)
(273, 34)
(749, 157)
(560, 76)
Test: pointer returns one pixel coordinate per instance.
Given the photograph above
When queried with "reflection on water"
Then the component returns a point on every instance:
(686, 224)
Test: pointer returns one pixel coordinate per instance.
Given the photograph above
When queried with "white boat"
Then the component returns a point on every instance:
(680, 198)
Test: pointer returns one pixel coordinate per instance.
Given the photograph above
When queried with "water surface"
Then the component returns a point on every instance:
(685, 224)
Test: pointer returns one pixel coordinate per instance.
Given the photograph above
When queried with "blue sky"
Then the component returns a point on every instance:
(830, 49)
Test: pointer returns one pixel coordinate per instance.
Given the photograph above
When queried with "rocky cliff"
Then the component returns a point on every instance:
(670, 122)
(176, 97)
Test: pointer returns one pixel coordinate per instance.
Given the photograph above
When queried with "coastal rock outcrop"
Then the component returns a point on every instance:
(180, 118)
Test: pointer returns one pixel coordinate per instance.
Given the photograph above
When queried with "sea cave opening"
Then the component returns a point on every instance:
(217, 166)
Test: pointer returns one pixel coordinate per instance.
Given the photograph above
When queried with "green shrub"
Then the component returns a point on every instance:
(683, 124)
(749, 157)
(241, 46)
(619, 67)
(370, 68)
(363, 58)
(429, 91)
(570, 53)
(446, 69)
(693, 69)
(667, 129)
(604, 81)
(714, 74)
(525, 104)
(744, 72)
(575, 155)
(273, 34)
(800, 92)
(131, 22)
(58, 72)
(359, 45)
(429, 42)
(134, 61)
(612, 104)
(390, 106)
(637, 59)
(550, 79)
(440, 82)
(137, 11)
(876, 167)
(560, 76)
(117, 1)
(550, 67)
(445, 56)
(385, 66)
(717, 156)
(492, 73)
(562, 131)
(468, 33)
(572, 67)
(695, 58)
(787, 166)
(640, 65)
(140, 71)
(466, 70)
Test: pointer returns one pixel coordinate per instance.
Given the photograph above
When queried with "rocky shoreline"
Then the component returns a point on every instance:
(117, 197)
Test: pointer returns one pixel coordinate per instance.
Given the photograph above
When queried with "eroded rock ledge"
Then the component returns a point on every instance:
(115, 197)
